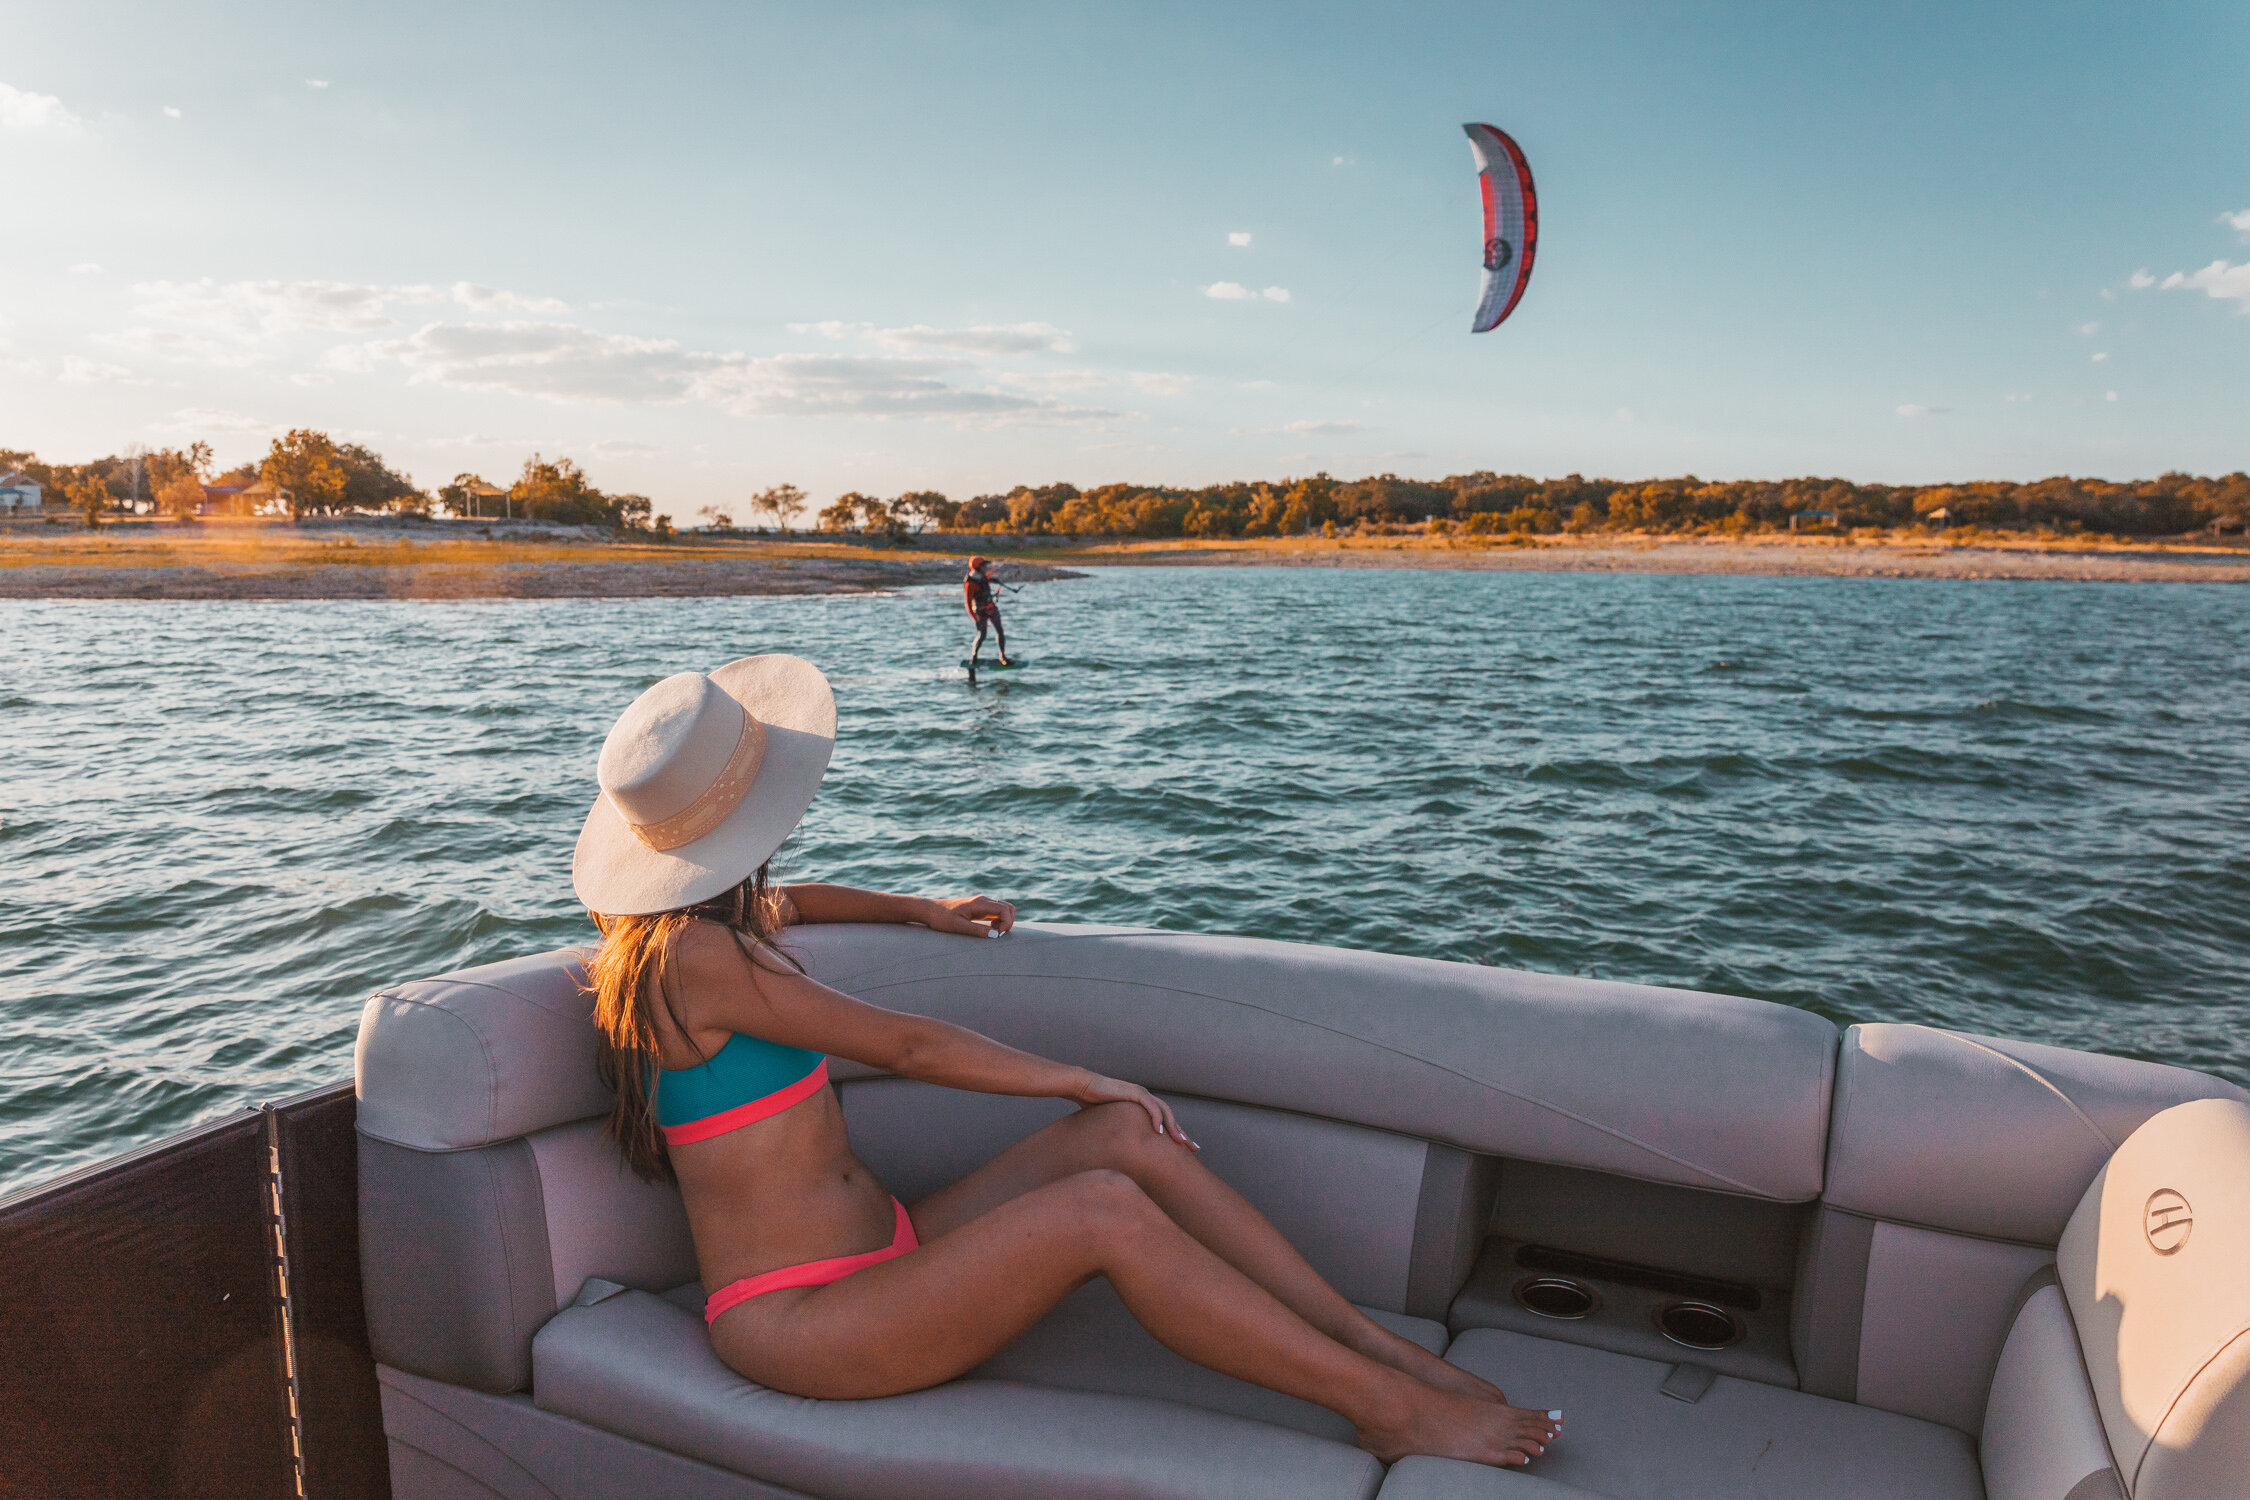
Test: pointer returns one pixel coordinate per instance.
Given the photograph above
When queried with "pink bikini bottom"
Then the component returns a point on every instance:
(812, 1272)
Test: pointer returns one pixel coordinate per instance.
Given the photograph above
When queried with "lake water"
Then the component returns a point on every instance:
(2013, 808)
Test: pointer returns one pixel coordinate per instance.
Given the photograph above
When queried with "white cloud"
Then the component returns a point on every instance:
(1235, 291)
(2218, 279)
(1913, 410)
(316, 83)
(1341, 161)
(1299, 428)
(564, 362)
(1075, 382)
(36, 114)
(86, 268)
(2090, 329)
(982, 338)
(2109, 395)
(2015, 398)
(79, 370)
(2140, 280)
(486, 299)
(194, 420)
(312, 378)
(171, 112)
(2239, 222)
(1239, 237)
(622, 448)
(188, 348)
(1158, 383)
(246, 309)
(2101, 357)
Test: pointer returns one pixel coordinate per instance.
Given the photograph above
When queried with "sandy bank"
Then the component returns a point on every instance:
(1784, 556)
(382, 563)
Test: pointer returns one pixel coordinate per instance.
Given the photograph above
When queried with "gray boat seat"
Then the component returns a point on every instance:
(1625, 1439)
(1357, 1100)
(1954, 1161)
(641, 1367)
(2126, 1370)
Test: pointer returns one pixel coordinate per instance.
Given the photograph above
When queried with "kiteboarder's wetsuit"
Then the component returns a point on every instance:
(976, 594)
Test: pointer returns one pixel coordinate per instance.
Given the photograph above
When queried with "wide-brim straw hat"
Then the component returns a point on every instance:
(702, 779)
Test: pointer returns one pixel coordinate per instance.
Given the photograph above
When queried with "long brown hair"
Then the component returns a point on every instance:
(632, 972)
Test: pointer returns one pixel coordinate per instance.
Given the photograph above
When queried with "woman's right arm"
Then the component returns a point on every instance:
(724, 991)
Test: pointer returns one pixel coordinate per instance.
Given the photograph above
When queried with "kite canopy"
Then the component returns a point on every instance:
(1511, 223)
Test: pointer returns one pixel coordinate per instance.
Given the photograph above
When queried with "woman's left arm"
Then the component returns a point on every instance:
(970, 916)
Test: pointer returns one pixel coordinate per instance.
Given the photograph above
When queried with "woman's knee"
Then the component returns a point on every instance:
(1120, 1135)
(1108, 1202)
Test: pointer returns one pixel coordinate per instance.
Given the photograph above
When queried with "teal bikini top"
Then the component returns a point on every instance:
(747, 1080)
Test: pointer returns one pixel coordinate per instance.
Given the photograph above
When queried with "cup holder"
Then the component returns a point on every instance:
(1698, 1325)
(1555, 1297)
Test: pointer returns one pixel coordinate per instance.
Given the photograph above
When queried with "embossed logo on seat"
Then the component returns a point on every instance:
(2167, 1221)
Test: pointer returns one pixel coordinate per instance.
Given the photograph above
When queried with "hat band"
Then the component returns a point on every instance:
(717, 800)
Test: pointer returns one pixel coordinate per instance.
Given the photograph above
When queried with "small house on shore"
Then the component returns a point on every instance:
(1941, 517)
(1814, 516)
(19, 494)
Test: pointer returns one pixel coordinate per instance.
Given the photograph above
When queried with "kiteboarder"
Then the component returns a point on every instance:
(977, 598)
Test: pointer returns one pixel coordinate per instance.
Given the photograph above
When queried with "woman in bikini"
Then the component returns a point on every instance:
(820, 1283)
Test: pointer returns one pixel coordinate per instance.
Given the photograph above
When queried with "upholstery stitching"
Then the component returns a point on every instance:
(2042, 1079)
(2177, 1397)
(1496, 1088)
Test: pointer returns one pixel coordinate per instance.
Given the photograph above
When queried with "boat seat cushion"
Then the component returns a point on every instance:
(1981, 1135)
(1090, 1342)
(640, 1366)
(2042, 1437)
(1624, 1439)
(1450, 1479)
(1706, 1091)
(2153, 1267)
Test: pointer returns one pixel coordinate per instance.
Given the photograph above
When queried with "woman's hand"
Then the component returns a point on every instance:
(1099, 1090)
(969, 916)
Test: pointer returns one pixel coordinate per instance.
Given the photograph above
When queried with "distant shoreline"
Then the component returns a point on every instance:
(385, 559)
(1893, 556)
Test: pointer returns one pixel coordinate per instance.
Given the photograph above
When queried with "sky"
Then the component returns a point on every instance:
(703, 248)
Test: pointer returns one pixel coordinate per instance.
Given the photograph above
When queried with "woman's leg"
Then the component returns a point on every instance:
(1118, 1137)
(947, 1307)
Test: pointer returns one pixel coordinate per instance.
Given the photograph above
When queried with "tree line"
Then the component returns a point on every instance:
(309, 473)
(1486, 503)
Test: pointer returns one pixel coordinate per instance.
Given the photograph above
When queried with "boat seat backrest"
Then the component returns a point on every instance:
(1954, 1162)
(490, 1191)
(2155, 1269)
(1670, 1086)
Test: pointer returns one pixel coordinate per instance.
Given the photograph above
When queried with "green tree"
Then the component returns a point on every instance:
(308, 467)
(89, 493)
(925, 508)
(371, 484)
(784, 502)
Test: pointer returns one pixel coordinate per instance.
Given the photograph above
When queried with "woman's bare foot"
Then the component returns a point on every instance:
(1410, 1358)
(1443, 1424)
